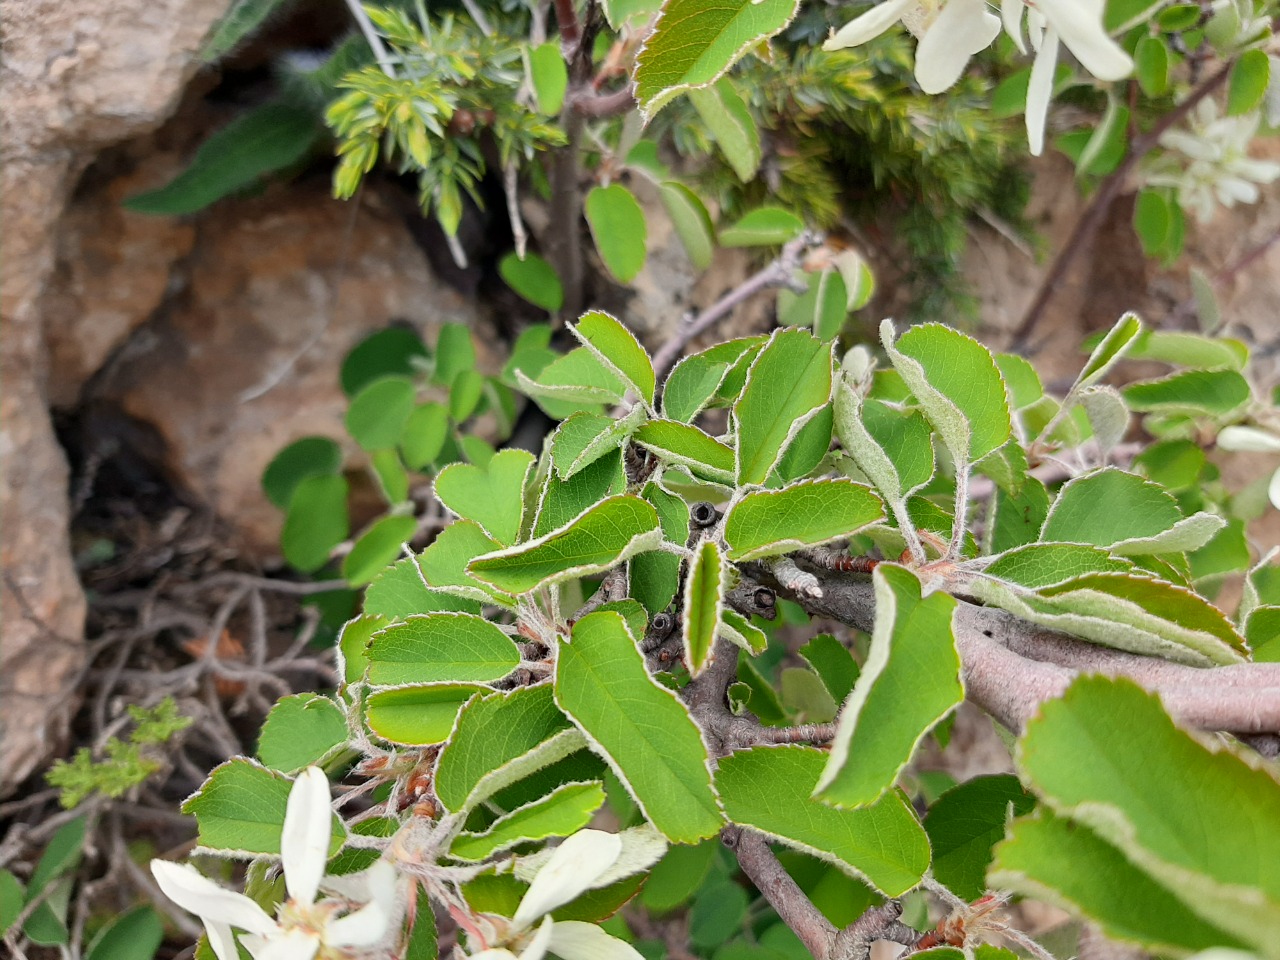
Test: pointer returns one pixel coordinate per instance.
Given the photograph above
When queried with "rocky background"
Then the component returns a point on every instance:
(167, 359)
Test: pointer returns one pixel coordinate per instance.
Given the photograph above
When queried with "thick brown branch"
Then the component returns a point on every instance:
(1011, 667)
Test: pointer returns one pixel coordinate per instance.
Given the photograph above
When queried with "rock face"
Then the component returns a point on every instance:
(246, 360)
(77, 75)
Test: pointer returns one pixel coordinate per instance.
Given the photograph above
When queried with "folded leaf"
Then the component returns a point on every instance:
(768, 789)
(444, 563)
(704, 593)
(584, 438)
(641, 729)
(725, 114)
(788, 384)
(805, 514)
(563, 500)
(687, 446)
(619, 350)
(499, 739)
(691, 385)
(1109, 506)
(564, 811)
(911, 680)
(603, 536)
(418, 715)
(1042, 564)
(1195, 393)
(1110, 349)
(1147, 792)
(402, 590)
(578, 377)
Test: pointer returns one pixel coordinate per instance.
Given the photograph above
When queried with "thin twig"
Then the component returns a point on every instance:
(778, 273)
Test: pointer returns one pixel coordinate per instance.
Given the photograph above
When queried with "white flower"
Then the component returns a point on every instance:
(305, 928)
(949, 35)
(573, 868)
(951, 32)
(1077, 25)
(1217, 168)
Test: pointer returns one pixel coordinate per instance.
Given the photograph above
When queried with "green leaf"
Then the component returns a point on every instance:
(717, 913)
(704, 593)
(1108, 141)
(1190, 350)
(301, 730)
(135, 935)
(619, 350)
(1110, 349)
(1146, 793)
(694, 43)
(1020, 379)
(423, 436)
(618, 227)
(377, 548)
(60, 858)
(768, 789)
(316, 522)
(692, 222)
(564, 500)
(393, 352)
(436, 647)
(401, 590)
(1042, 564)
(1152, 215)
(584, 438)
(691, 386)
(492, 496)
(892, 448)
(1070, 866)
(377, 414)
(560, 813)
(911, 680)
(533, 278)
(1151, 68)
(455, 352)
(465, 394)
(965, 823)
(619, 12)
(789, 382)
(308, 457)
(1250, 76)
(678, 875)
(418, 715)
(833, 664)
(603, 536)
(642, 729)
(684, 445)
(726, 116)
(740, 631)
(236, 25)
(1109, 506)
(352, 642)
(423, 941)
(500, 739)
(773, 522)
(263, 140)
(550, 81)
(806, 696)
(822, 307)
(239, 810)
(958, 385)
(393, 479)
(12, 897)
(655, 576)
(762, 227)
(1194, 392)
(578, 376)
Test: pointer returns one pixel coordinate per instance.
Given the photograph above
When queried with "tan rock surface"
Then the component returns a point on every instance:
(279, 289)
(77, 75)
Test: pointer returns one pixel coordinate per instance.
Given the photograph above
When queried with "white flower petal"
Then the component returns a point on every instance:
(870, 24)
(193, 891)
(1273, 490)
(1035, 28)
(495, 954)
(1079, 25)
(1011, 14)
(293, 944)
(571, 940)
(1197, 148)
(573, 868)
(1259, 171)
(1040, 90)
(222, 940)
(304, 842)
(1248, 438)
(1232, 190)
(537, 948)
(962, 29)
(369, 924)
